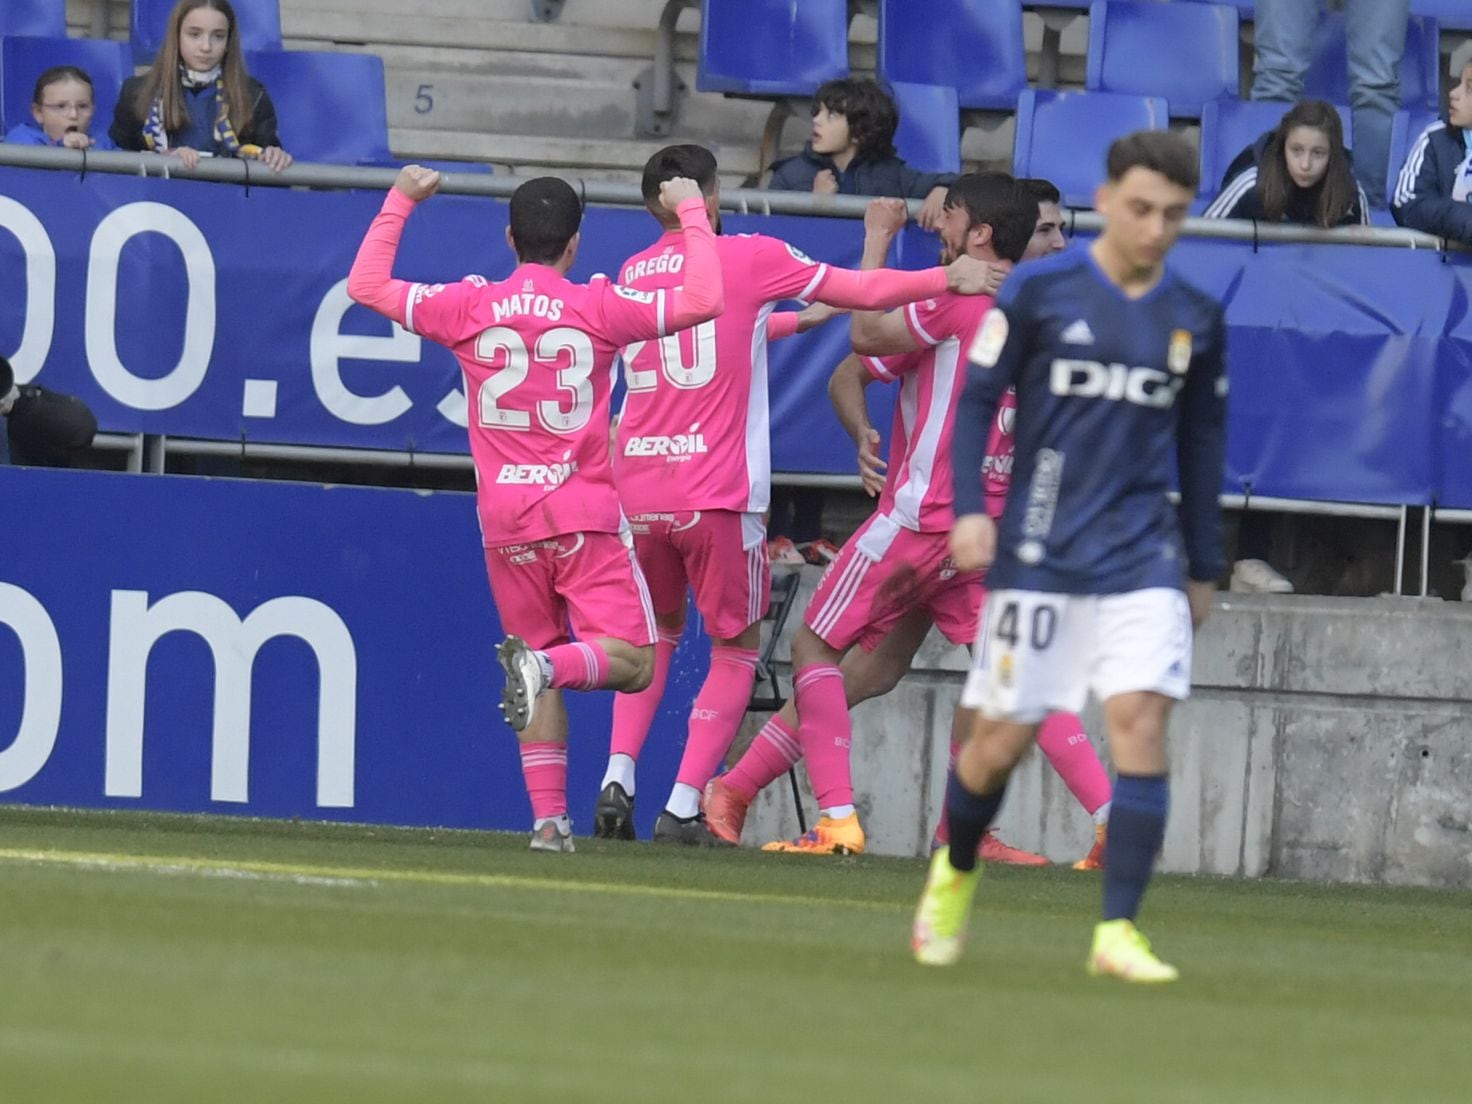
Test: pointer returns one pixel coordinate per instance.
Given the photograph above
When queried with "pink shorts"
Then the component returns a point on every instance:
(720, 554)
(884, 572)
(589, 582)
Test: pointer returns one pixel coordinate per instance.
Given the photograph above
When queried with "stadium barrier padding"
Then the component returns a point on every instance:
(199, 310)
(272, 649)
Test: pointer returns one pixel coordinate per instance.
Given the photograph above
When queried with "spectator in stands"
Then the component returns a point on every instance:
(62, 105)
(40, 426)
(197, 99)
(1434, 190)
(1376, 38)
(852, 152)
(1298, 172)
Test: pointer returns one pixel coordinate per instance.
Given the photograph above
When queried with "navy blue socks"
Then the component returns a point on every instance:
(1136, 830)
(968, 815)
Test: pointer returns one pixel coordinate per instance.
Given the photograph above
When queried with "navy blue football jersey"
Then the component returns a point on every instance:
(1112, 392)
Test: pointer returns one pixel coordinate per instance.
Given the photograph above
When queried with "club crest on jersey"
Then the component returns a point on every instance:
(991, 335)
(1004, 670)
(1178, 359)
(799, 254)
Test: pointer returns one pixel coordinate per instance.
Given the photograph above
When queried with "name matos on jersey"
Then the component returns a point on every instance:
(523, 303)
(681, 446)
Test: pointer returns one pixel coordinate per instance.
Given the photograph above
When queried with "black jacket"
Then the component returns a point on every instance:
(46, 427)
(1423, 191)
(871, 176)
(1239, 198)
(127, 125)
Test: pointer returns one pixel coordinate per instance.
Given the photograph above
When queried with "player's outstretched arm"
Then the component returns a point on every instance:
(369, 280)
(877, 333)
(703, 294)
(846, 393)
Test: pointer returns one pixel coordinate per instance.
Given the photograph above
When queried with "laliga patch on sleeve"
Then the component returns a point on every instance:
(634, 293)
(991, 335)
(799, 254)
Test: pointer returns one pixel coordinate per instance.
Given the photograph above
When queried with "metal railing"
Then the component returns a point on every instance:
(149, 453)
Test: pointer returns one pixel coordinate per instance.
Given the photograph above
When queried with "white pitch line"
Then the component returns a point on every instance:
(315, 874)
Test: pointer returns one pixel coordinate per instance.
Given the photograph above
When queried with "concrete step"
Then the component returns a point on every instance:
(513, 152)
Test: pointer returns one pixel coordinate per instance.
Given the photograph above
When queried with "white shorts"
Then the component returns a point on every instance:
(1042, 653)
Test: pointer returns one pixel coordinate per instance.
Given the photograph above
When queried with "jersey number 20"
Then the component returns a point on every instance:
(672, 360)
(565, 349)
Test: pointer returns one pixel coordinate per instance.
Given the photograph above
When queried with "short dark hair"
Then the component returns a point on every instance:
(60, 73)
(696, 162)
(1157, 150)
(870, 111)
(998, 200)
(1044, 191)
(545, 214)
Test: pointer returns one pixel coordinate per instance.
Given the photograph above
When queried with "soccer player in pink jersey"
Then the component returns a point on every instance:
(877, 666)
(693, 470)
(538, 353)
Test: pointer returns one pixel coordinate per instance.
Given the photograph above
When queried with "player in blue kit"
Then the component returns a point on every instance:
(1096, 580)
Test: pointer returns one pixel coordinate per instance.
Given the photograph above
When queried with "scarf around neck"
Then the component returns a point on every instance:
(156, 137)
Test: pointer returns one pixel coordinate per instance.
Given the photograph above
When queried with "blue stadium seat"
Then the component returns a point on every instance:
(23, 58)
(771, 47)
(1064, 136)
(929, 136)
(1420, 81)
(33, 17)
(331, 106)
(1450, 15)
(259, 21)
(975, 46)
(1183, 51)
(1229, 126)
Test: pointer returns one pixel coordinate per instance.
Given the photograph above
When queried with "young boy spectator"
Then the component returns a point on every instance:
(1434, 185)
(197, 99)
(851, 152)
(62, 106)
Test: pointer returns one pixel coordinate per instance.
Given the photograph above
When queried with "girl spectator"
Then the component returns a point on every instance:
(197, 98)
(1298, 172)
(62, 105)
(852, 152)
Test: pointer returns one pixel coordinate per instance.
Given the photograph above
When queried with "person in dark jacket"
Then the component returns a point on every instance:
(62, 104)
(1433, 190)
(197, 98)
(1298, 172)
(39, 426)
(851, 152)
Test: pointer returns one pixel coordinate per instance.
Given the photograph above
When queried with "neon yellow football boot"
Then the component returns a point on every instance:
(944, 913)
(1121, 951)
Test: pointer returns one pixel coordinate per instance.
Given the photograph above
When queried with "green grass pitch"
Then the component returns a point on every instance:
(190, 959)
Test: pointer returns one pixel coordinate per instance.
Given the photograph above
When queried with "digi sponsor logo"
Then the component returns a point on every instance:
(1088, 379)
(681, 446)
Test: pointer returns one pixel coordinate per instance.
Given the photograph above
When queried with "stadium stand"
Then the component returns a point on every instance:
(24, 57)
(1420, 82)
(772, 47)
(330, 106)
(259, 21)
(33, 17)
(1229, 126)
(1063, 136)
(1454, 15)
(929, 134)
(976, 46)
(1186, 52)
